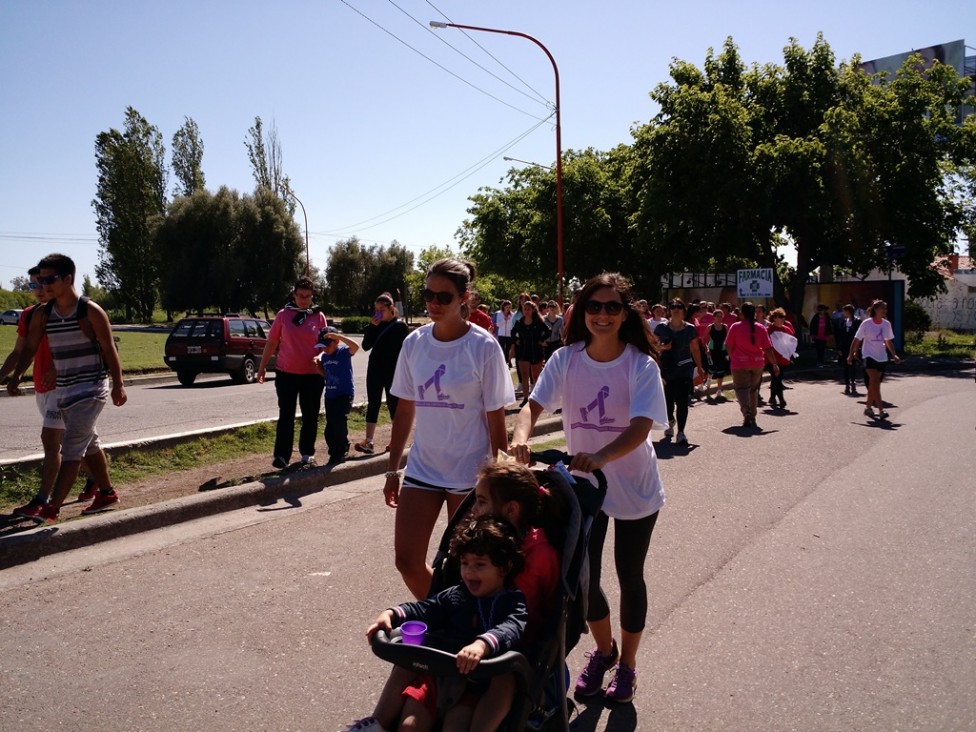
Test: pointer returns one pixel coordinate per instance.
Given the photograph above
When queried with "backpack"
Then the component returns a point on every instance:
(83, 323)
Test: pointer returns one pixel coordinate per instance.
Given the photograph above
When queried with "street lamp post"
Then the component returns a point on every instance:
(559, 142)
(308, 265)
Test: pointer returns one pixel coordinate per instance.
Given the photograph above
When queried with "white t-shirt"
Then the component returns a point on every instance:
(598, 401)
(873, 336)
(452, 384)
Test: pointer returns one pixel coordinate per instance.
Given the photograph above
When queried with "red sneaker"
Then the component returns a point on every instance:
(102, 502)
(31, 510)
(88, 492)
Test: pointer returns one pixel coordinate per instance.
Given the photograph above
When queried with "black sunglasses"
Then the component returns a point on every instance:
(48, 279)
(612, 307)
(444, 298)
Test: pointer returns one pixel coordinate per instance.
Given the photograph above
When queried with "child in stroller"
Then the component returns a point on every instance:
(481, 616)
(539, 668)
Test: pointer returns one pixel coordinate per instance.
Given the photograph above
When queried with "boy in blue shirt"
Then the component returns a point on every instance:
(335, 359)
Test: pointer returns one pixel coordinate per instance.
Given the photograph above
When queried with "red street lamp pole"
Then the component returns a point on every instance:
(559, 142)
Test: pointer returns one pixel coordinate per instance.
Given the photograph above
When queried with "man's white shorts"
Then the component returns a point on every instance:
(47, 405)
(80, 438)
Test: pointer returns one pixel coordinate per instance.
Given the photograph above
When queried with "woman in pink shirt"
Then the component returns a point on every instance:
(298, 378)
(749, 349)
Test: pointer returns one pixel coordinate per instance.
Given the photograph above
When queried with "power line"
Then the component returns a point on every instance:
(446, 185)
(440, 37)
(440, 66)
(492, 56)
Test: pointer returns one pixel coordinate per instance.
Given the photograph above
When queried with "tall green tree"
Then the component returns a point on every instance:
(264, 152)
(187, 158)
(356, 274)
(129, 204)
(270, 253)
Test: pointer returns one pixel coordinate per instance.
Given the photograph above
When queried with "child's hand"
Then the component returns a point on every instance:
(383, 622)
(470, 656)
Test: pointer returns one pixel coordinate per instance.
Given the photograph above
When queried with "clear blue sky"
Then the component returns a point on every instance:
(370, 130)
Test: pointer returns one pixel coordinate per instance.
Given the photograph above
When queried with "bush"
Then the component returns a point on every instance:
(354, 324)
(917, 319)
(11, 300)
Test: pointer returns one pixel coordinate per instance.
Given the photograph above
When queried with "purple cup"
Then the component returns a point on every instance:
(413, 632)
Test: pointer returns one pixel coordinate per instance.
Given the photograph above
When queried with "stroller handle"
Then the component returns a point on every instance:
(425, 659)
(551, 457)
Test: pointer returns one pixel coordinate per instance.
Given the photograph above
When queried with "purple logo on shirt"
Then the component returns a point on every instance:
(441, 400)
(603, 423)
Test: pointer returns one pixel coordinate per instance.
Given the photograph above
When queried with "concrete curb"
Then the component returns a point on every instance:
(32, 544)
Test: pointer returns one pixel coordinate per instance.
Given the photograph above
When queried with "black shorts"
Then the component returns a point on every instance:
(870, 363)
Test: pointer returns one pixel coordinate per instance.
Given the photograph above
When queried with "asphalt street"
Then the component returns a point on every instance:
(159, 407)
(818, 576)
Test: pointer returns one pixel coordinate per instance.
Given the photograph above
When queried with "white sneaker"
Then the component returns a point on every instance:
(308, 461)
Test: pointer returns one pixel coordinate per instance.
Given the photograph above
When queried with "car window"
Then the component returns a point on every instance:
(264, 326)
(237, 329)
(183, 328)
(251, 328)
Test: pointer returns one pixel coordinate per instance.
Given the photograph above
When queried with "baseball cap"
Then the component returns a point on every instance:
(325, 336)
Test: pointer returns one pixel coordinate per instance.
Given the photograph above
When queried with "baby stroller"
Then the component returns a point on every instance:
(539, 671)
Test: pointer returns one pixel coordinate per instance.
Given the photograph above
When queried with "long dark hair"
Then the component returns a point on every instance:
(632, 331)
(537, 506)
(748, 310)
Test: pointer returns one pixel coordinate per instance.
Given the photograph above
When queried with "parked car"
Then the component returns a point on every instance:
(10, 317)
(217, 343)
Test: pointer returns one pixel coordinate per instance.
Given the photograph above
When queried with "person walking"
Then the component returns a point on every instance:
(717, 332)
(298, 378)
(820, 332)
(681, 360)
(453, 386)
(554, 321)
(609, 388)
(874, 340)
(335, 360)
(844, 338)
(383, 340)
(749, 349)
(530, 334)
(778, 324)
(503, 320)
(83, 352)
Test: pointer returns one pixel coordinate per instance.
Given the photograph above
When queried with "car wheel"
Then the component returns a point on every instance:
(248, 372)
(186, 377)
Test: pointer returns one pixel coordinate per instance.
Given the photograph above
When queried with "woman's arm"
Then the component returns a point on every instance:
(497, 430)
(269, 348)
(402, 424)
(524, 423)
(627, 441)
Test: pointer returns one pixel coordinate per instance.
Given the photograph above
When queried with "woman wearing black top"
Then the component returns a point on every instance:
(530, 334)
(384, 337)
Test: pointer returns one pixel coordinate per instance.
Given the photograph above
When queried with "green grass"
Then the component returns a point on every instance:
(941, 344)
(18, 486)
(140, 352)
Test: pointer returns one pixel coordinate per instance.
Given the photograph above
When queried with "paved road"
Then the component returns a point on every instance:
(159, 409)
(816, 577)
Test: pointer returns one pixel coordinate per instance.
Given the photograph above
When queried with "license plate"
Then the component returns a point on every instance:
(193, 349)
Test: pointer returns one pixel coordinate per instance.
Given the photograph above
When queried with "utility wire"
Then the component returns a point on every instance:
(526, 84)
(440, 37)
(437, 190)
(440, 66)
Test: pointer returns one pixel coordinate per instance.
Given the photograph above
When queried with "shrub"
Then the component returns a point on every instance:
(917, 319)
(354, 324)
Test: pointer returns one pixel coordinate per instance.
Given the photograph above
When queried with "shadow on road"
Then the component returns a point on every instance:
(622, 717)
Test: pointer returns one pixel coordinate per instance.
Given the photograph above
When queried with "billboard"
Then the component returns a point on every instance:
(952, 54)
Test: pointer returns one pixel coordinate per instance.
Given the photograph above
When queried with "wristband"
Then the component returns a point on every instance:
(392, 473)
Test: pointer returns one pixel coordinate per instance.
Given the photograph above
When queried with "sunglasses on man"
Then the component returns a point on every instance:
(49, 279)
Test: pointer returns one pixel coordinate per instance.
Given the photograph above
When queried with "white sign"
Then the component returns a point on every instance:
(755, 282)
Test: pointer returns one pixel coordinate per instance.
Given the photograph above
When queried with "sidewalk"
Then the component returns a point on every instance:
(46, 539)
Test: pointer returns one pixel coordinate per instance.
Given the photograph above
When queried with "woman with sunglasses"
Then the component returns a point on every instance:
(453, 386)
(874, 340)
(530, 335)
(609, 389)
(298, 378)
(681, 359)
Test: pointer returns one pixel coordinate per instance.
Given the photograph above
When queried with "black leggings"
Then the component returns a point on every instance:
(632, 539)
(375, 384)
(677, 394)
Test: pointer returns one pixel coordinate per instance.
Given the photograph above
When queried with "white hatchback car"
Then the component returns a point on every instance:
(10, 317)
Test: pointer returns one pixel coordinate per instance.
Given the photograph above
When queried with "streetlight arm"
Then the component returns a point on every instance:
(559, 142)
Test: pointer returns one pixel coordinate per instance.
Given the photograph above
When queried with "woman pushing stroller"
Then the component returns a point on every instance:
(608, 386)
